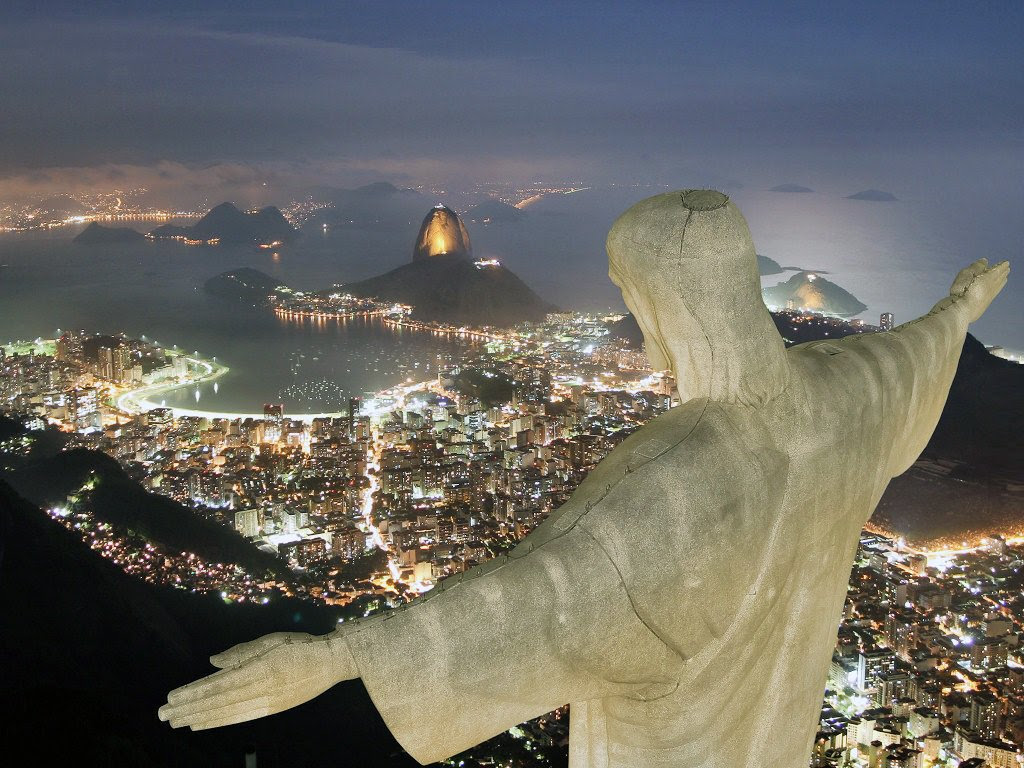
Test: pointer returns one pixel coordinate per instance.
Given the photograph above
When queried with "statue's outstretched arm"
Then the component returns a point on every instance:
(915, 362)
(503, 643)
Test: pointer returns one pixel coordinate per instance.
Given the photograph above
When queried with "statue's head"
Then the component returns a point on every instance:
(687, 269)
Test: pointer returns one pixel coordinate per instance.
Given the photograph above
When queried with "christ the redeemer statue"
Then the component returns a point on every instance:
(685, 600)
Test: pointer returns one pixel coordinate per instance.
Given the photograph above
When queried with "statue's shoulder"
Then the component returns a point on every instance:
(724, 453)
(648, 444)
(685, 469)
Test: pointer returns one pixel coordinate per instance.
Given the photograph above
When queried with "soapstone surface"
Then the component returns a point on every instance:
(685, 600)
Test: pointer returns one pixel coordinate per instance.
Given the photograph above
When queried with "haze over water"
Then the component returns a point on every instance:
(898, 257)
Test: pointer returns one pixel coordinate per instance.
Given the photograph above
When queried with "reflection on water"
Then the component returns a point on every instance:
(156, 289)
(323, 364)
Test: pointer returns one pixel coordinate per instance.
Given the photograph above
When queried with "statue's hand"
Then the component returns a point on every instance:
(978, 284)
(259, 678)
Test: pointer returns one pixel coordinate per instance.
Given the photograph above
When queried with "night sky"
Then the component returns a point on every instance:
(909, 97)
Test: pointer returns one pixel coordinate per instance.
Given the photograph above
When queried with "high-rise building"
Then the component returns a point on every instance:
(69, 347)
(105, 363)
(985, 718)
(873, 665)
(901, 633)
(249, 522)
(886, 321)
(122, 363)
(114, 363)
(894, 686)
(273, 417)
(353, 415)
(83, 409)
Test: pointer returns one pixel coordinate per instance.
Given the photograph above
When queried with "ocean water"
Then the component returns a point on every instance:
(899, 257)
(155, 289)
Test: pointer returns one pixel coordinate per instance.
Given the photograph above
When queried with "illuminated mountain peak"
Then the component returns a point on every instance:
(442, 232)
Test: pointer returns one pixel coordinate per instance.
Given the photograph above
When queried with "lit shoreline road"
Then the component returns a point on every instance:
(136, 401)
(144, 399)
(938, 556)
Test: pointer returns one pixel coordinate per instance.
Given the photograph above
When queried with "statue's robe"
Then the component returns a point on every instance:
(685, 601)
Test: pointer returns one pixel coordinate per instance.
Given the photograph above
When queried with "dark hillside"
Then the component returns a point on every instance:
(87, 655)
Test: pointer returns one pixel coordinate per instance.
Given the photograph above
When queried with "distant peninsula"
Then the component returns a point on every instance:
(494, 211)
(793, 188)
(811, 291)
(873, 195)
(226, 224)
(97, 234)
(245, 284)
(767, 266)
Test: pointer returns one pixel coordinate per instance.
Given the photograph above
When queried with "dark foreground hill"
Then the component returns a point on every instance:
(940, 502)
(453, 289)
(971, 476)
(87, 655)
(116, 499)
(983, 420)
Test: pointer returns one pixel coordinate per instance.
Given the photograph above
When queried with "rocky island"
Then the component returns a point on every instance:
(226, 224)
(811, 291)
(874, 196)
(246, 284)
(97, 234)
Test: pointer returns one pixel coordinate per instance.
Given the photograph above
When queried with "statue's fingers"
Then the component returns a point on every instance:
(222, 680)
(233, 719)
(967, 275)
(286, 697)
(236, 654)
(250, 709)
(236, 695)
(995, 278)
(255, 701)
(194, 689)
(1003, 267)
